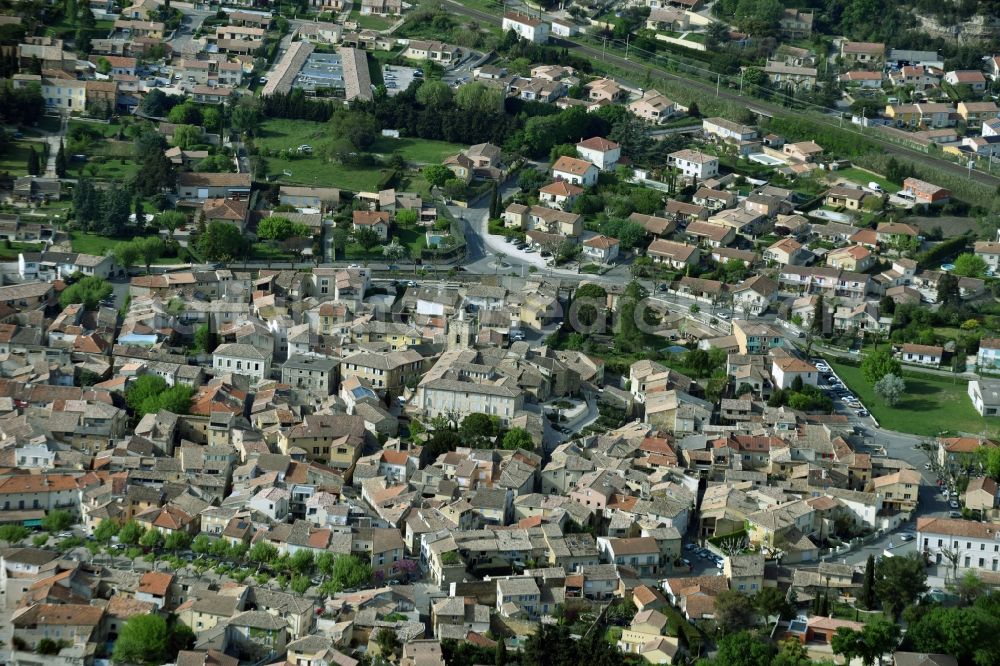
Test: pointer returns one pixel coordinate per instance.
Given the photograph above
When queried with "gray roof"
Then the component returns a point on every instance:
(239, 350)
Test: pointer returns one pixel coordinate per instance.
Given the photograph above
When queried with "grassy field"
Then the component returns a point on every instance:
(929, 406)
(10, 250)
(863, 177)
(100, 245)
(314, 170)
(115, 169)
(14, 160)
(369, 22)
(421, 151)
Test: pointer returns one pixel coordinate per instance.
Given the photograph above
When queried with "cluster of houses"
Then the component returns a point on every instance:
(294, 437)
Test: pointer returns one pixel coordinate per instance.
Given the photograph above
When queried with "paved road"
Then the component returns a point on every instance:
(710, 90)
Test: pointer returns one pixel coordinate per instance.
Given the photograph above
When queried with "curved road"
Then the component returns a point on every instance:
(768, 107)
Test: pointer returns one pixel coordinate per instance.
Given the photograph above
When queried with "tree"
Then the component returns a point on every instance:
(151, 539)
(530, 179)
(176, 541)
(201, 544)
(366, 237)
(89, 291)
(301, 584)
(185, 114)
(130, 533)
(867, 598)
(56, 521)
(455, 188)
(500, 658)
(245, 115)
(771, 601)
(899, 581)
(204, 338)
(394, 251)
(142, 640)
(12, 533)
(478, 430)
(947, 290)
(222, 242)
(387, 642)
(263, 553)
(819, 314)
(890, 388)
(733, 612)
(302, 561)
(106, 531)
(61, 160)
(970, 265)
(280, 228)
(148, 394)
(495, 210)
(186, 136)
(876, 638)
(969, 587)
(357, 127)
(406, 217)
(34, 165)
(742, 648)
(149, 249)
(878, 364)
(968, 634)
(339, 240)
(434, 94)
(517, 438)
(437, 174)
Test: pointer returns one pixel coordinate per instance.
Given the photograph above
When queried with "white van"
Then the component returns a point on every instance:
(874, 187)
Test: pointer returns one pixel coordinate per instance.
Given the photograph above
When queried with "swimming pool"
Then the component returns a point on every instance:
(766, 160)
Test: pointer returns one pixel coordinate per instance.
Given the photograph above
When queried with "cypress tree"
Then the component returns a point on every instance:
(495, 203)
(501, 654)
(868, 586)
(61, 161)
(34, 165)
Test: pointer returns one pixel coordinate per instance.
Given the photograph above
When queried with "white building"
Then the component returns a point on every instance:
(694, 164)
(576, 171)
(977, 545)
(785, 369)
(243, 360)
(527, 27)
(602, 153)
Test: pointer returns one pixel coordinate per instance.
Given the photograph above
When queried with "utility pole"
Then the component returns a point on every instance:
(626, 45)
(742, 70)
(718, 81)
(604, 45)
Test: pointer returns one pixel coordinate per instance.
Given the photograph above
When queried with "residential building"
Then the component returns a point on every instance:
(575, 171)
(601, 152)
(975, 546)
(922, 354)
(694, 164)
(527, 27)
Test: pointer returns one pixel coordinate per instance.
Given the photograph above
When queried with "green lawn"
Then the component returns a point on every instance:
(93, 243)
(314, 170)
(930, 405)
(863, 177)
(100, 245)
(10, 250)
(14, 160)
(112, 168)
(421, 151)
(369, 22)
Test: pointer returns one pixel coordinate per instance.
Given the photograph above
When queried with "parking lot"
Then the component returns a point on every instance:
(844, 402)
(701, 560)
(399, 78)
